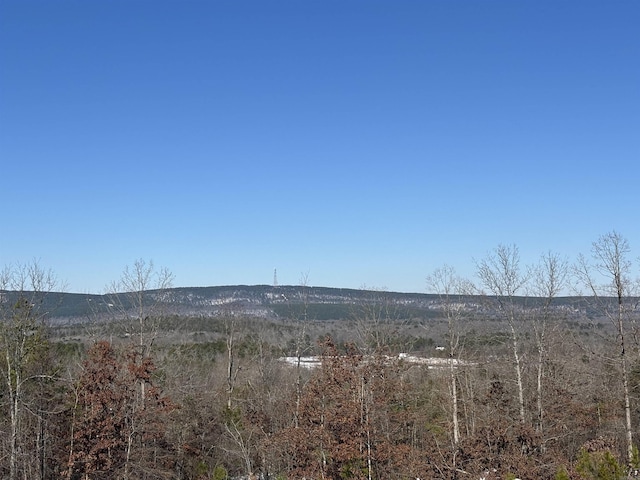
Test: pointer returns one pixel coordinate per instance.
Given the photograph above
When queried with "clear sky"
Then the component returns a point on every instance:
(355, 142)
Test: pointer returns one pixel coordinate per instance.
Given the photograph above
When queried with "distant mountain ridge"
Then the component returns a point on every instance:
(255, 300)
(284, 301)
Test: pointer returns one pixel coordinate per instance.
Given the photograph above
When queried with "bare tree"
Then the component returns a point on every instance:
(140, 298)
(232, 332)
(610, 265)
(378, 322)
(501, 275)
(549, 278)
(449, 287)
(22, 294)
(301, 344)
(242, 438)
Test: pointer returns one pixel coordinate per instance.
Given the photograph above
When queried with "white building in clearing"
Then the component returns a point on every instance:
(430, 362)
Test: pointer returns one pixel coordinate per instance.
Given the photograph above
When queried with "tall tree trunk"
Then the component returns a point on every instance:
(518, 368)
(230, 370)
(610, 254)
(14, 385)
(454, 400)
(625, 381)
(540, 412)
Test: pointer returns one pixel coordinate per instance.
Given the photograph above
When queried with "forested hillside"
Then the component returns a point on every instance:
(529, 384)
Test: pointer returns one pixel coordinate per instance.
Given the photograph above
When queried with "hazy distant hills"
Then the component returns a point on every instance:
(319, 303)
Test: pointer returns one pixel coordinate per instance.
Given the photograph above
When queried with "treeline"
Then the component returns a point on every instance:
(543, 399)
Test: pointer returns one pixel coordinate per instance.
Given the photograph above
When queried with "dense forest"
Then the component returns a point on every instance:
(526, 384)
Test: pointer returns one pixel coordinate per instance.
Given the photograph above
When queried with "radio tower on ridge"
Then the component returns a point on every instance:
(275, 277)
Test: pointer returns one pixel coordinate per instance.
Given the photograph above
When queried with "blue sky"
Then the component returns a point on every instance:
(358, 143)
